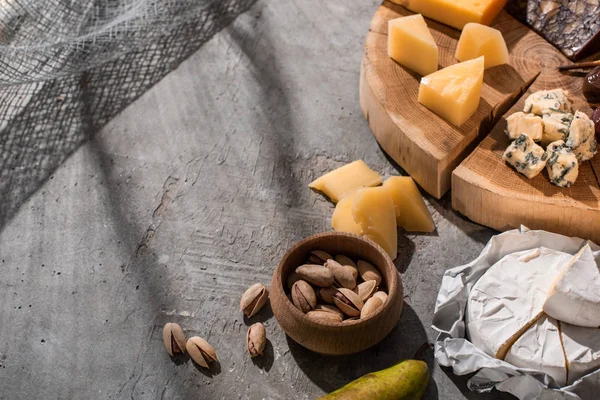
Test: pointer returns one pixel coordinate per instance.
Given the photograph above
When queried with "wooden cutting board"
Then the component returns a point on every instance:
(484, 188)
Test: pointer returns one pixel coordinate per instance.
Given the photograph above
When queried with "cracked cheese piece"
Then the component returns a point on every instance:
(525, 156)
(582, 350)
(540, 348)
(453, 93)
(507, 300)
(529, 124)
(341, 181)
(373, 211)
(342, 219)
(574, 296)
(411, 212)
(582, 138)
(478, 40)
(410, 43)
(561, 164)
(546, 101)
(556, 126)
(456, 13)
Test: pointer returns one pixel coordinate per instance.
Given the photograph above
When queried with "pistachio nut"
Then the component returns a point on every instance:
(343, 275)
(324, 316)
(381, 295)
(200, 351)
(291, 279)
(371, 306)
(366, 289)
(326, 294)
(315, 274)
(256, 338)
(330, 309)
(318, 257)
(351, 319)
(348, 301)
(253, 299)
(303, 296)
(173, 338)
(342, 259)
(368, 272)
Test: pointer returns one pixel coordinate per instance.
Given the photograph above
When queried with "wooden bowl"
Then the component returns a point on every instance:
(337, 338)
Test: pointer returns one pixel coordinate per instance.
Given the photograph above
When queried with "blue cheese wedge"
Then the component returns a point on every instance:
(562, 164)
(556, 126)
(582, 138)
(525, 156)
(529, 124)
(546, 101)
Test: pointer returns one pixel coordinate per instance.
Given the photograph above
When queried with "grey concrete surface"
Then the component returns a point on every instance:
(190, 195)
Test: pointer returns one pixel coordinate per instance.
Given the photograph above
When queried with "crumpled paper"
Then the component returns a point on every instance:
(452, 349)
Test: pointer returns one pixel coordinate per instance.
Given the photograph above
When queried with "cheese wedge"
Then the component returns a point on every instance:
(507, 300)
(540, 348)
(453, 93)
(373, 211)
(456, 13)
(582, 350)
(342, 219)
(478, 40)
(411, 212)
(574, 297)
(410, 43)
(341, 181)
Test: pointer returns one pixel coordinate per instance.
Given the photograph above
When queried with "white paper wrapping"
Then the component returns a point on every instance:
(453, 350)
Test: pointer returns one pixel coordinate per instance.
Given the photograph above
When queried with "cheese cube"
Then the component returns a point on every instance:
(453, 93)
(582, 137)
(478, 40)
(529, 124)
(411, 212)
(410, 43)
(562, 164)
(456, 13)
(546, 101)
(342, 219)
(337, 183)
(373, 211)
(525, 156)
(556, 126)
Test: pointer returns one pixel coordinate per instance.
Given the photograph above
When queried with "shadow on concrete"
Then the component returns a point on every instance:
(265, 361)
(461, 383)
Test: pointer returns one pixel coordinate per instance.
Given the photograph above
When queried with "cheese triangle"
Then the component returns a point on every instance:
(582, 350)
(574, 296)
(342, 219)
(343, 180)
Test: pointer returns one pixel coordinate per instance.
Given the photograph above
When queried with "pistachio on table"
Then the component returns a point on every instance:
(344, 260)
(324, 316)
(315, 274)
(371, 306)
(326, 294)
(256, 338)
(343, 275)
(253, 299)
(174, 338)
(348, 301)
(330, 309)
(318, 257)
(381, 295)
(303, 296)
(200, 351)
(368, 272)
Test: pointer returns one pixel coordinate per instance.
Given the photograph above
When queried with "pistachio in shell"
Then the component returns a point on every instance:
(326, 294)
(329, 308)
(256, 338)
(315, 274)
(303, 296)
(200, 351)
(371, 306)
(174, 338)
(366, 289)
(318, 257)
(368, 272)
(253, 299)
(345, 260)
(348, 301)
(343, 275)
(324, 316)
(381, 295)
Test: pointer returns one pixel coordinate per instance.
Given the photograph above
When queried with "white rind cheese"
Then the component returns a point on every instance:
(525, 156)
(562, 164)
(509, 297)
(529, 124)
(582, 350)
(540, 348)
(546, 101)
(556, 126)
(574, 296)
(582, 138)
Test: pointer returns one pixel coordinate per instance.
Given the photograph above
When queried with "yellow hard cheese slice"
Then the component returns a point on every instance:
(410, 43)
(411, 212)
(456, 13)
(341, 181)
(342, 219)
(453, 93)
(373, 211)
(478, 40)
